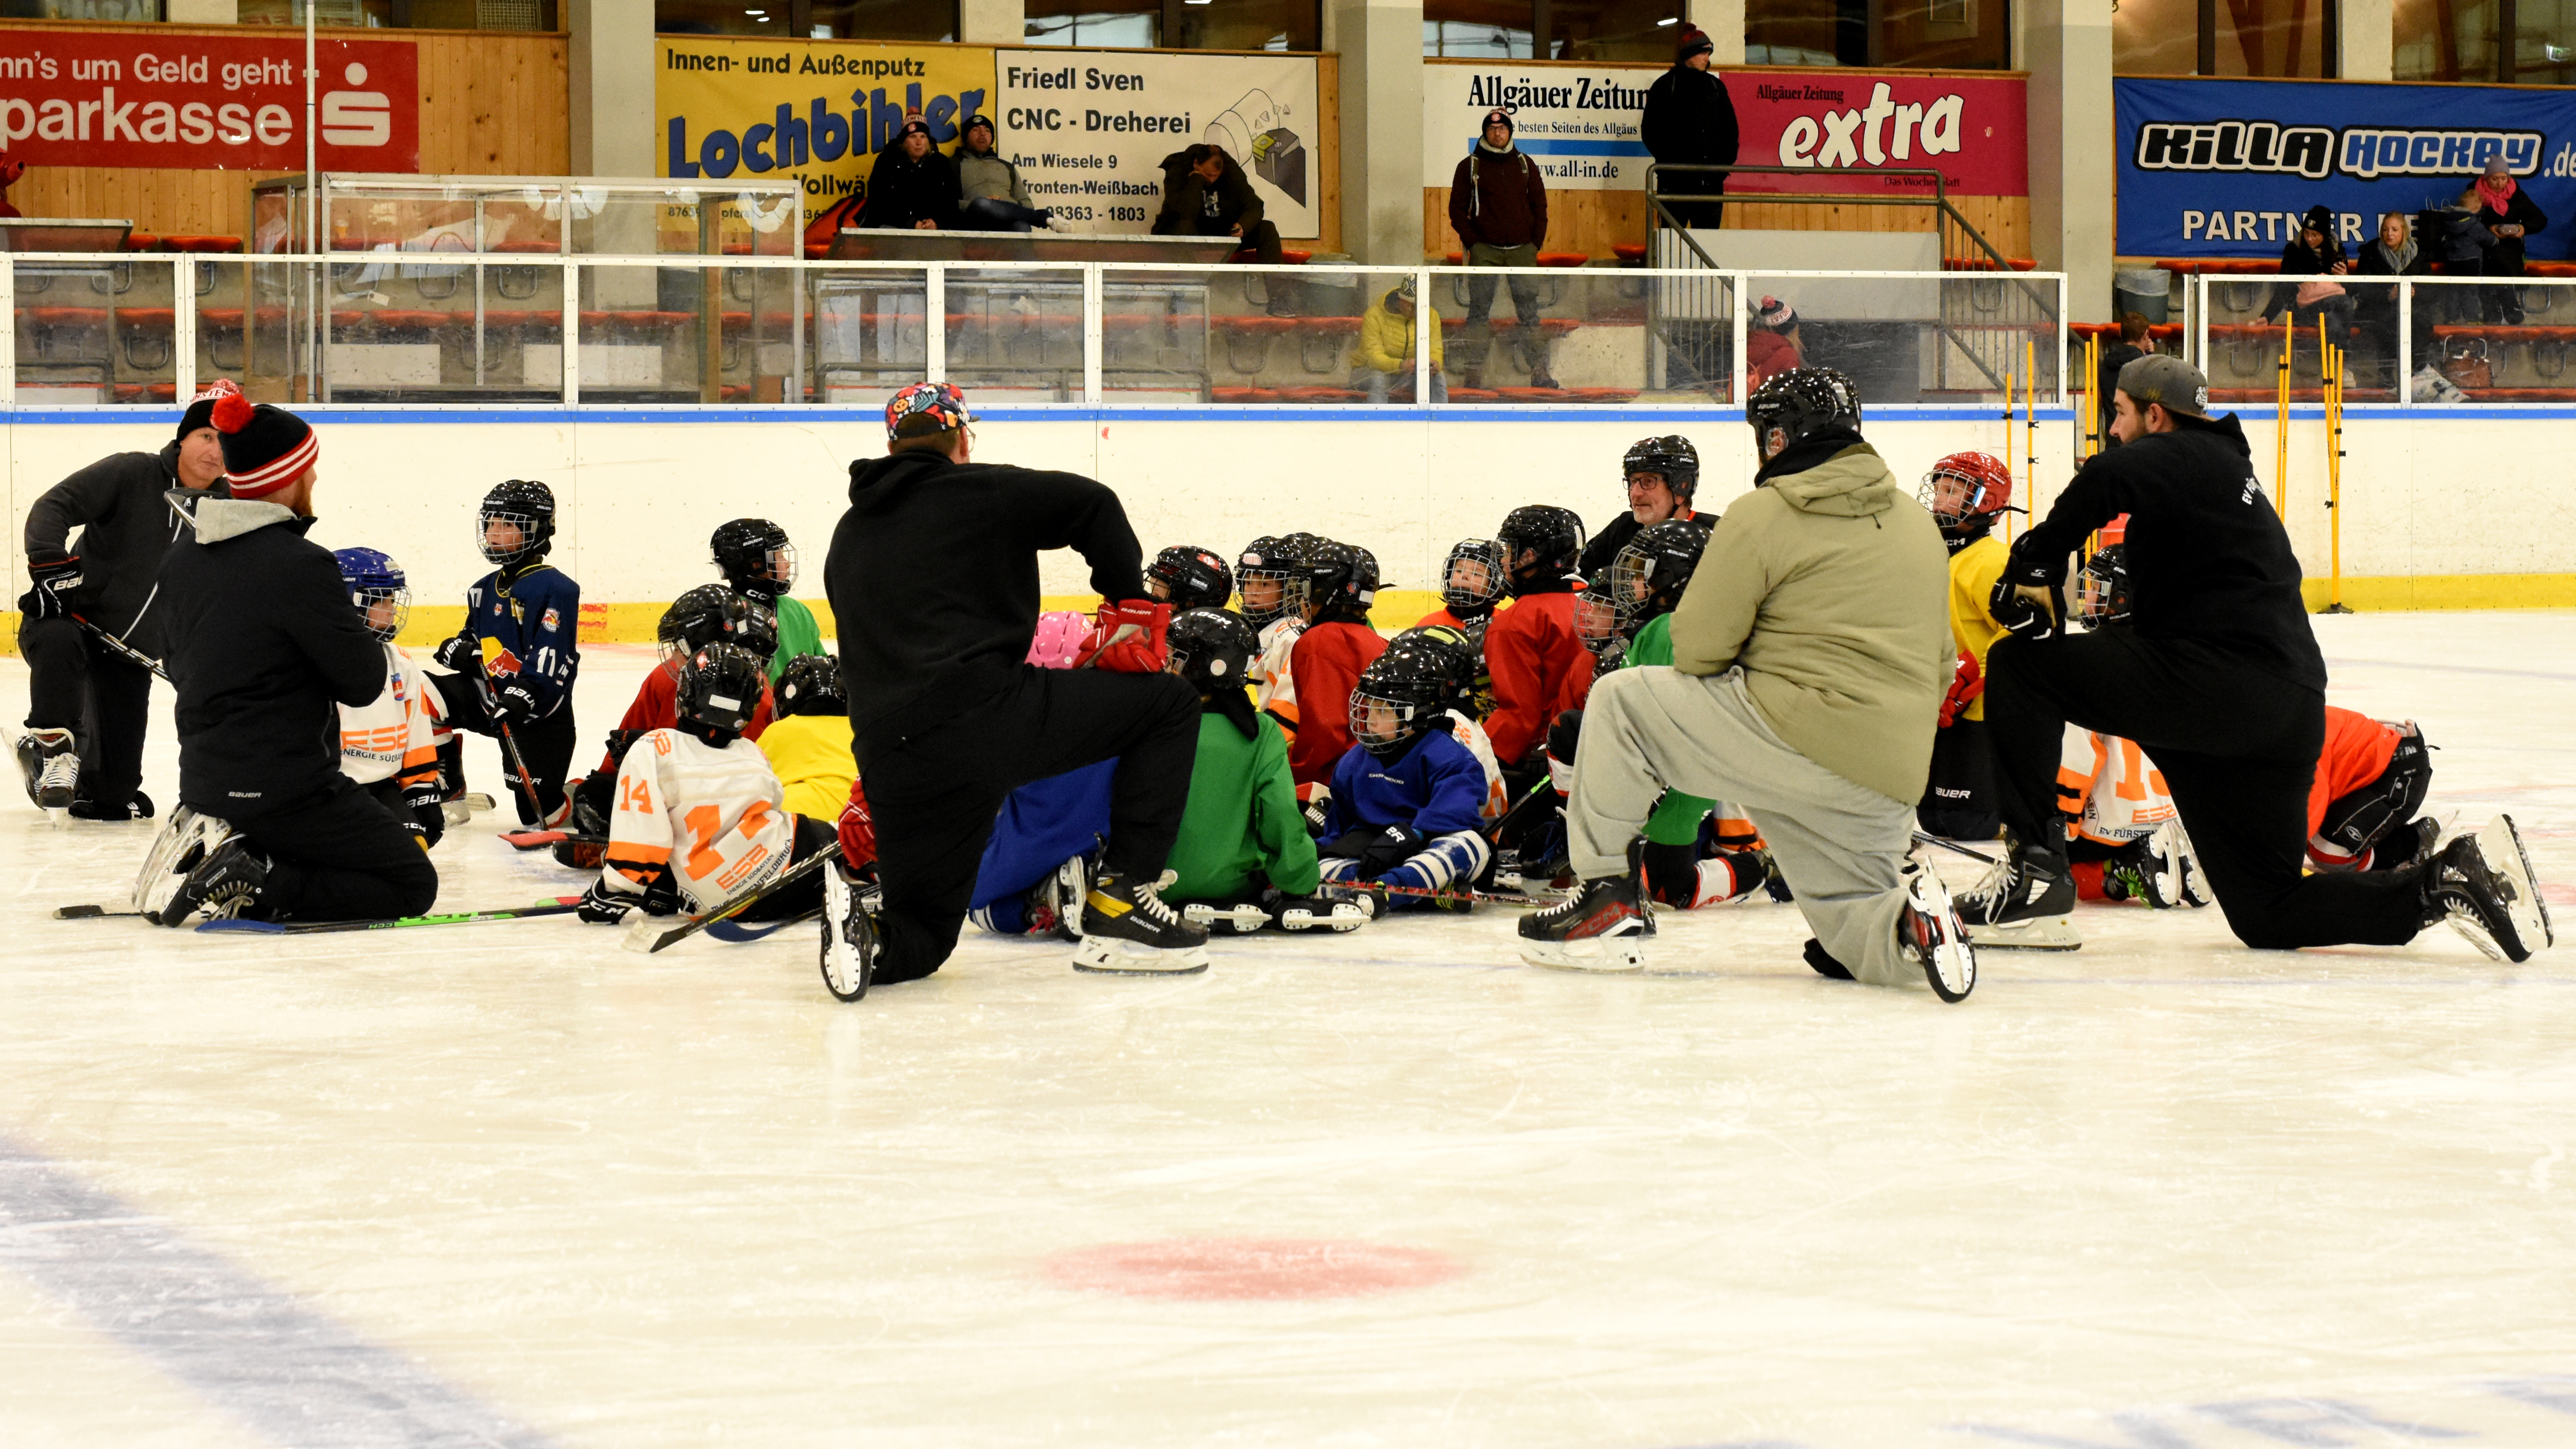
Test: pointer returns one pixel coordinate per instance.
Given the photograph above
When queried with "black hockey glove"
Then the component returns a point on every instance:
(1317, 811)
(2018, 613)
(56, 580)
(603, 907)
(1378, 848)
(515, 704)
(427, 803)
(462, 653)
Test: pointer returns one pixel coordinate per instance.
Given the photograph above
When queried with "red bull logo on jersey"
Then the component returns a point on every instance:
(498, 659)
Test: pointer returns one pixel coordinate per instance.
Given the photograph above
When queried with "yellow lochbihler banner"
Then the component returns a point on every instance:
(817, 110)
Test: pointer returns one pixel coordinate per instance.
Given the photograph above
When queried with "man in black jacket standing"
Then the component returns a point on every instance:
(933, 576)
(87, 701)
(263, 648)
(2215, 672)
(1690, 120)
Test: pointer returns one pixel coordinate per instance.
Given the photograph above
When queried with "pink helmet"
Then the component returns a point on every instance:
(1059, 638)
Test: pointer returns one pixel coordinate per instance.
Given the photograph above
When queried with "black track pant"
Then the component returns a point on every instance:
(934, 795)
(546, 744)
(76, 683)
(2238, 747)
(342, 855)
(1959, 803)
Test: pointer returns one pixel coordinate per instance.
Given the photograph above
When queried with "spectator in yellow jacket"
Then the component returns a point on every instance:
(1382, 360)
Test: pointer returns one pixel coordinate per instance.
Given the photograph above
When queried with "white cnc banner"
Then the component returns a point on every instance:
(1579, 123)
(1089, 130)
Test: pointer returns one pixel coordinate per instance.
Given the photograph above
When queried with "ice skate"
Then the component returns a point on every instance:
(184, 841)
(1604, 928)
(1126, 929)
(138, 807)
(1239, 919)
(1307, 913)
(849, 936)
(1822, 962)
(1929, 930)
(226, 882)
(1054, 905)
(51, 762)
(2482, 884)
(2149, 868)
(2019, 906)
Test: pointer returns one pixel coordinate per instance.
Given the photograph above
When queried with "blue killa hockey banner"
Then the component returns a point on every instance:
(2224, 168)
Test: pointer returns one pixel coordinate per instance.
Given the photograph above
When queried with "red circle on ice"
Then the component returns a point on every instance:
(1250, 1268)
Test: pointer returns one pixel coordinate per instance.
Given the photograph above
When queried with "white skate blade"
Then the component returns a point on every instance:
(1242, 920)
(2530, 913)
(2039, 933)
(1108, 956)
(1345, 917)
(1613, 955)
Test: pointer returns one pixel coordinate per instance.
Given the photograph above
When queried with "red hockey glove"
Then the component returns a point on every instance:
(1967, 685)
(1128, 638)
(858, 831)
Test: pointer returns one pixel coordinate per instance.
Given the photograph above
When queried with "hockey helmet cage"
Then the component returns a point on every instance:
(1471, 581)
(377, 589)
(719, 692)
(1192, 577)
(1596, 613)
(1211, 648)
(1556, 534)
(811, 684)
(1966, 490)
(1670, 457)
(1341, 580)
(1268, 579)
(1401, 696)
(1647, 578)
(2102, 595)
(515, 522)
(1800, 403)
(755, 557)
(1459, 661)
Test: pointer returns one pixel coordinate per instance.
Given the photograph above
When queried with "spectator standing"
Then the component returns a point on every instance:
(991, 195)
(1382, 358)
(2393, 253)
(1690, 121)
(2464, 240)
(1498, 207)
(912, 186)
(1773, 345)
(2510, 215)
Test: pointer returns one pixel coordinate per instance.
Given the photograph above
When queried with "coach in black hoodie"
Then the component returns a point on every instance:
(933, 576)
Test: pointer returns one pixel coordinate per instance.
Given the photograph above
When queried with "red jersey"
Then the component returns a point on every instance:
(2358, 749)
(1326, 663)
(1540, 669)
(657, 707)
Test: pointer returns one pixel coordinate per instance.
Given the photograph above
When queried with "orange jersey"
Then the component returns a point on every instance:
(2357, 751)
(2109, 789)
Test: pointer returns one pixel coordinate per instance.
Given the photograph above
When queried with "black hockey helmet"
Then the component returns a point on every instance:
(2102, 592)
(526, 509)
(811, 684)
(1596, 612)
(1472, 591)
(1267, 576)
(755, 557)
(1192, 577)
(1341, 581)
(1459, 659)
(1556, 533)
(1800, 403)
(715, 614)
(1211, 648)
(1401, 696)
(1647, 577)
(719, 692)
(1670, 457)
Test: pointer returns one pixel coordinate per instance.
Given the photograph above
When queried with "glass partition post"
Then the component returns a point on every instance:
(1739, 372)
(1091, 332)
(1422, 388)
(2404, 366)
(934, 303)
(570, 347)
(8, 337)
(183, 328)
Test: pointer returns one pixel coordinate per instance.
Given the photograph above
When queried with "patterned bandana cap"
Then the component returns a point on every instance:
(942, 400)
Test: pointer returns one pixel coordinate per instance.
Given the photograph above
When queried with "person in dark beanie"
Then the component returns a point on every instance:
(1690, 121)
(88, 699)
(263, 648)
(911, 186)
(991, 195)
(1205, 193)
(1498, 207)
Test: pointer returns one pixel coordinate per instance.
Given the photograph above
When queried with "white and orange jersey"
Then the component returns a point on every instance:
(711, 818)
(1275, 687)
(1472, 735)
(2114, 793)
(395, 736)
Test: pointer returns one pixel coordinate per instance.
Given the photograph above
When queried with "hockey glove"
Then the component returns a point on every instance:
(1967, 683)
(515, 704)
(427, 804)
(858, 831)
(1378, 848)
(603, 907)
(1127, 638)
(1316, 804)
(2021, 615)
(462, 654)
(56, 579)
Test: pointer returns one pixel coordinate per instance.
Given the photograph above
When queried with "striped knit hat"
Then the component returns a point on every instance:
(265, 447)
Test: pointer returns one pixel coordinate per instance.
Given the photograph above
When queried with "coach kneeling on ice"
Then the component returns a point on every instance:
(1810, 652)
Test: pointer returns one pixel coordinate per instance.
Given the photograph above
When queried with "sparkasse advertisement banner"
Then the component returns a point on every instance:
(1089, 130)
(120, 99)
(816, 110)
(2224, 168)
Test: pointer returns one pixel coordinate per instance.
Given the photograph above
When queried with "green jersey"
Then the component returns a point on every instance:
(1242, 817)
(1677, 816)
(797, 634)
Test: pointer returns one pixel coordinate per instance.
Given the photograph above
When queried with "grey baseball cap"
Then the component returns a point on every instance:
(2157, 378)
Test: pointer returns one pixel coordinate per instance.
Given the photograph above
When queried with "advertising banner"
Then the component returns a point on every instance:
(1089, 130)
(1581, 124)
(131, 99)
(816, 110)
(2224, 168)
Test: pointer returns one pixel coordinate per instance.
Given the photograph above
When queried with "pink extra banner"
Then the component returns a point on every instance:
(1972, 129)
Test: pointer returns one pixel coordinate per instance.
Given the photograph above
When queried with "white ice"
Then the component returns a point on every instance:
(2162, 1192)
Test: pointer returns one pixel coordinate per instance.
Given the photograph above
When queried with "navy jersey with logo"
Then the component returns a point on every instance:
(526, 624)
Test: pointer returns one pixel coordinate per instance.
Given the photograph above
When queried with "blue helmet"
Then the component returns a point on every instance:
(373, 579)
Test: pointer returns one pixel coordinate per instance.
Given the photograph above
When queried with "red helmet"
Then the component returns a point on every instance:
(1966, 486)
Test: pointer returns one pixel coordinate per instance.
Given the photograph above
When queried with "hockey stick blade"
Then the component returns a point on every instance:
(540, 839)
(89, 913)
(1500, 898)
(736, 933)
(549, 906)
(1925, 838)
(646, 935)
(119, 646)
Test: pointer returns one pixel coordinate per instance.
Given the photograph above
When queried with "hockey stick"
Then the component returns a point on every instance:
(1925, 838)
(736, 933)
(1497, 897)
(119, 646)
(527, 784)
(648, 936)
(540, 839)
(89, 913)
(550, 906)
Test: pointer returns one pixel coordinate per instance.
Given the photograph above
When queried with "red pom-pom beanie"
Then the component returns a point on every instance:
(265, 447)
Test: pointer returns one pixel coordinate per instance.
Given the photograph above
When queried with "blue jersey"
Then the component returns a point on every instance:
(1042, 825)
(1436, 788)
(526, 627)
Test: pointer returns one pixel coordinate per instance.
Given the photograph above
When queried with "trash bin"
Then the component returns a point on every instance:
(2143, 290)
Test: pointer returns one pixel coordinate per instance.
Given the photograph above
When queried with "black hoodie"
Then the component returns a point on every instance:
(933, 576)
(126, 526)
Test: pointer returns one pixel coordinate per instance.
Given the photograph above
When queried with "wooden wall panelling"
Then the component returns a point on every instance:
(1589, 221)
(1327, 155)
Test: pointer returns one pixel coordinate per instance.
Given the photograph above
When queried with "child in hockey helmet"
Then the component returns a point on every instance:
(377, 590)
(515, 523)
(720, 689)
(812, 685)
(1340, 582)
(755, 558)
(1403, 694)
(1188, 577)
(1597, 617)
(808, 745)
(715, 614)
(1965, 493)
(1268, 578)
(2103, 596)
(1471, 582)
(1211, 648)
(1540, 544)
(1648, 576)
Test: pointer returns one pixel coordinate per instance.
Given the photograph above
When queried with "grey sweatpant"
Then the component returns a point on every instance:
(1840, 846)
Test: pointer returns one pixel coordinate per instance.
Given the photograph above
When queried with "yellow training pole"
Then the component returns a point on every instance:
(2008, 401)
(2030, 418)
(2093, 390)
(2334, 480)
(2281, 423)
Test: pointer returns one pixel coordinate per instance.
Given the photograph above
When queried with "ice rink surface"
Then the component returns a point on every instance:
(511, 1184)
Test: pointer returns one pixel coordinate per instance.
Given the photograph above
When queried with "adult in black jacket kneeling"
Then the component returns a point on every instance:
(263, 649)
